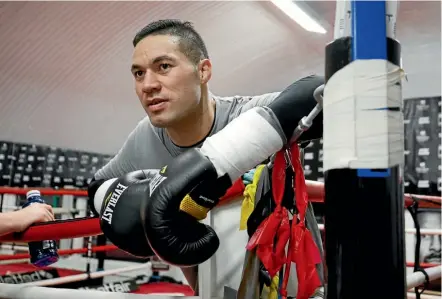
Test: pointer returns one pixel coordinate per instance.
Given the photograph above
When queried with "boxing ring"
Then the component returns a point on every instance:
(365, 40)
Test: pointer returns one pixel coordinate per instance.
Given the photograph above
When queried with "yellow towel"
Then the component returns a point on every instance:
(271, 292)
(248, 203)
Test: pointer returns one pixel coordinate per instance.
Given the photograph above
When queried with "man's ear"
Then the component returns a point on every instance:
(205, 70)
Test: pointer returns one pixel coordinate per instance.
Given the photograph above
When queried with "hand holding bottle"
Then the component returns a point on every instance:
(34, 213)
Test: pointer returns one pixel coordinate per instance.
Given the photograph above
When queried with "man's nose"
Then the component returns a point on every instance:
(151, 83)
(435, 244)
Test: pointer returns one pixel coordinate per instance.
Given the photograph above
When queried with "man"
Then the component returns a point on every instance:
(171, 70)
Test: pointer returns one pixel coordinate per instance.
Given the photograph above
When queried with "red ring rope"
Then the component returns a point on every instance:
(19, 256)
(86, 227)
(315, 192)
(422, 265)
(56, 230)
(43, 191)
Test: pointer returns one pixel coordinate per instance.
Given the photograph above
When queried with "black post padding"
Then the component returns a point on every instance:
(338, 54)
(364, 217)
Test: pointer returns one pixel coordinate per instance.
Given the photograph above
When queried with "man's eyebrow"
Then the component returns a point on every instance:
(161, 58)
(135, 66)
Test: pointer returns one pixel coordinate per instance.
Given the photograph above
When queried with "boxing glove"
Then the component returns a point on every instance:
(91, 190)
(118, 202)
(177, 237)
(190, 183)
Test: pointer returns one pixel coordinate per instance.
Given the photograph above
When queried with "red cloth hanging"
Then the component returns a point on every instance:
(274, 232)
(303, 250)
(236, 190)
(272, 254)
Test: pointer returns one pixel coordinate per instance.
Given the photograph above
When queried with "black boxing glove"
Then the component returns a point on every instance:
(118, 202)
(188, 184)
(91, 190)
(177, 237)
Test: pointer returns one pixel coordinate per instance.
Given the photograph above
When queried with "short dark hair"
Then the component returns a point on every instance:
(190, 42)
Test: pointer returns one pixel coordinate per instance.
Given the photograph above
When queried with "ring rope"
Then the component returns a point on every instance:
(422, 265)
(57, 230)
(4, 257)
(25, 256)
(56, 211)
(418, 278)
(423, 231)
(315, 191)
(90, 226)
(85, 276)
(423, 296)
(33, 292)
(43, 191)
(86, 227)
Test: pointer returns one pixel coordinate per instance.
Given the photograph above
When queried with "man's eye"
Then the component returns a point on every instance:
(164, 66)
(138, 74)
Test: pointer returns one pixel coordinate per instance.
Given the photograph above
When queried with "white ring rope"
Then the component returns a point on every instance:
(417, 278)
(19, 261)
(84, 276)
(23, 290)
(424, 231)
(423, 296)
(14, 247)
(29, 290)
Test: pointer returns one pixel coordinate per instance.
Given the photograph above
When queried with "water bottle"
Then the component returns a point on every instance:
(43, 253)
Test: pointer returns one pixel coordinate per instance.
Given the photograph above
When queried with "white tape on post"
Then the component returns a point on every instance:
(363, 92)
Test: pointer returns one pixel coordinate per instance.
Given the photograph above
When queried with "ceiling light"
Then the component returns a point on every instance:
(292, 10)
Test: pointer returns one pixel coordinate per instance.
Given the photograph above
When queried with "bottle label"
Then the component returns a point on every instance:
(46, 244)
(35, 199)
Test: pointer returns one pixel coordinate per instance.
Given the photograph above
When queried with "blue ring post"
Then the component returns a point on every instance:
(364, 222)
(369, 30)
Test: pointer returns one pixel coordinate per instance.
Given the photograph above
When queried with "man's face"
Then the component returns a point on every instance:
(430, 251)
(167, 83)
